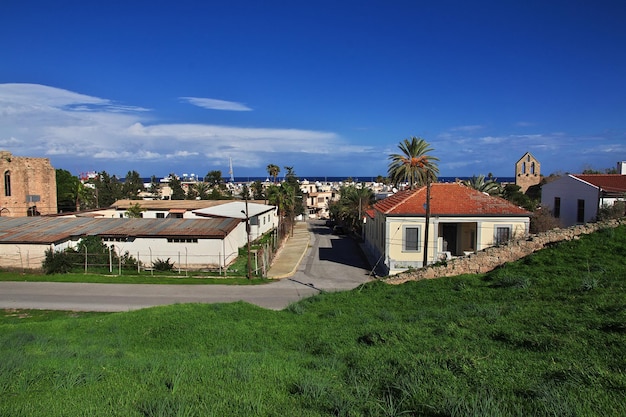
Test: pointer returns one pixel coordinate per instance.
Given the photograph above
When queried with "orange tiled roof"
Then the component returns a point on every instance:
(448, 199)
(608, 182)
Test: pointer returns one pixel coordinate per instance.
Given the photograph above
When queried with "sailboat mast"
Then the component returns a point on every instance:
(230, 169)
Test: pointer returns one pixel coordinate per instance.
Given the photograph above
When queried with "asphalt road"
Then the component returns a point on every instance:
(332, 263)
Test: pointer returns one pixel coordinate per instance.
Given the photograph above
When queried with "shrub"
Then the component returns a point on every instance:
(59, 262)
(615, 211)
(542, 220)
(128, 261)
(162, 265)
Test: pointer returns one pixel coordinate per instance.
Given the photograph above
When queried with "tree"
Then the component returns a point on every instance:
(273, 171)
(245, 192)
(199, 191)
(512, 193)
(258, 192)
(214, 179)
(287, 197)
(590, 170)
(133, 185)
(414, 165)
(382, 180)
(66, 187)
(108, 189)
(352, 203)
(134, 211)
(490, 186)
(155, 187)
(177, 188)
(72, 194)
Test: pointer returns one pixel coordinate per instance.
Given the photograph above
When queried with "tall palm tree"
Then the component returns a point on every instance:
(414, 164)
(273, 171)
(489, 186)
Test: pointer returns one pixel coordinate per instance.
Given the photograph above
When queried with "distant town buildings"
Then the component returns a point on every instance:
(29, 186)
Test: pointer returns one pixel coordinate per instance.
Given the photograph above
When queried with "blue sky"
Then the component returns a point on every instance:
(328, 87)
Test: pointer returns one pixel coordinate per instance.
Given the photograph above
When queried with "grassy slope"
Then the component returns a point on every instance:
(543, 336)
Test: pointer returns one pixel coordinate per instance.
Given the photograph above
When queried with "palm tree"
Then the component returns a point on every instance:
(351, 206)
(414, 164)
(199, 190)
(490, 186)
(273, 171)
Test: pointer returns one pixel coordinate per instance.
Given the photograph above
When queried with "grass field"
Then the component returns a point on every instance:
(545, 336)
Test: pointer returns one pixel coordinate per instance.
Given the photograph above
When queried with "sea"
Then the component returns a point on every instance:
(325, 179)
(354, 179)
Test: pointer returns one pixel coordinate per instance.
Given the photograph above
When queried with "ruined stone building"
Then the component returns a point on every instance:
(527, 172)
(29, 186)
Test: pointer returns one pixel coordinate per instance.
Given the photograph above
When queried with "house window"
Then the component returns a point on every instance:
(503, 234)
(181, 240)
(160, 215)
(7, 184)
(411, 243)
(580, 214)
(557, 207)
(523, 167)
(532, 168)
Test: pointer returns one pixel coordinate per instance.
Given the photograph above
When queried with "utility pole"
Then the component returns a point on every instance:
(427, 207)
(248, 234)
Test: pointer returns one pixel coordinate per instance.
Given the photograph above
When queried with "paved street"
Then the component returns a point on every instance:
(322, 262)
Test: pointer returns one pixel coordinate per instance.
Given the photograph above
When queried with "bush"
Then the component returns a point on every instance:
(542, 221)
(59, 262)
(128, 261)
(616, 211)
(163, 265)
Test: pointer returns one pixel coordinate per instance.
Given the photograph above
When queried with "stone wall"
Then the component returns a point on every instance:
(28, 186)
(491, 258)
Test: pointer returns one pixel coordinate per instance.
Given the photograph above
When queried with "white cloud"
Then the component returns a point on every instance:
(38, 120)
(215, 104)
(468, 128)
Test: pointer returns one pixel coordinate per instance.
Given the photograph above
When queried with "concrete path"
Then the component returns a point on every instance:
(290, 255)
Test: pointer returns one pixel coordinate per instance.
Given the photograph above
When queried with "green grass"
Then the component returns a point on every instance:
(544, 336)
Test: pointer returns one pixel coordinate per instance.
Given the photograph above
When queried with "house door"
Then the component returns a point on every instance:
(449, 232)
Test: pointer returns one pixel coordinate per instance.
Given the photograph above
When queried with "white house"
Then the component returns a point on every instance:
(576, 198)
(189, 243)
(462, 220)
(263, 218)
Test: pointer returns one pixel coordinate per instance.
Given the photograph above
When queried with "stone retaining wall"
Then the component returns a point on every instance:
(491, 258)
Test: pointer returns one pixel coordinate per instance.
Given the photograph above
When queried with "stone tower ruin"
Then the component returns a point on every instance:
(29, 186)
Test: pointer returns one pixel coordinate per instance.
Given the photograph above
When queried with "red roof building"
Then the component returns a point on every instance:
(577, 198)
(462, 220)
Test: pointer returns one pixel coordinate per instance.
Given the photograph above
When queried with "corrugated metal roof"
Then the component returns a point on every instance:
(167, 205)
(47, 230)
(235, 209)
